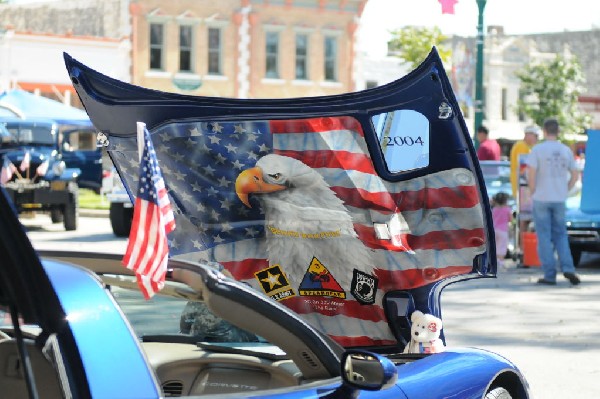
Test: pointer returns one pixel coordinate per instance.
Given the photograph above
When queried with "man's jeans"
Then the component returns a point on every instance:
(551, 231)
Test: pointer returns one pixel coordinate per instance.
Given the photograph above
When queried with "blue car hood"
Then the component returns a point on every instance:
(574, 214)
(327, 204)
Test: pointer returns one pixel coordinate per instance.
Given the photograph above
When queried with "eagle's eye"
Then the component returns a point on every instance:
(275, 176)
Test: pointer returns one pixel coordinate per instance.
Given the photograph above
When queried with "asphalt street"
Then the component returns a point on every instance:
(552, 333)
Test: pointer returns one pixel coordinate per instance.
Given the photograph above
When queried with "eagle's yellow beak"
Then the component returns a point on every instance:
(251, 181)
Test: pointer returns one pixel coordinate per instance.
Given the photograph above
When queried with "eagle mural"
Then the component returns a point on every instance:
(309, 232)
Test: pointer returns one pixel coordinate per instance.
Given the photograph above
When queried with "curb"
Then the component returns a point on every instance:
(94, 213)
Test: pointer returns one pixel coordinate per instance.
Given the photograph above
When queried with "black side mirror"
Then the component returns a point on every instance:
(367, 370)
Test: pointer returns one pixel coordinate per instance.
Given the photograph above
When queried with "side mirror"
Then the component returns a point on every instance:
(367, 370)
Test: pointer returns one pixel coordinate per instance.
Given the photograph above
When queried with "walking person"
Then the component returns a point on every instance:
(551, 173)
(501, 215)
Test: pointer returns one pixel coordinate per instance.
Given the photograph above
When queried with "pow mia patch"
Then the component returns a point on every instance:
(274, 283)
(363, 287)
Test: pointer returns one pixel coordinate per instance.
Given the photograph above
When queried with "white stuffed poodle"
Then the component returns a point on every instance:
(424, 334)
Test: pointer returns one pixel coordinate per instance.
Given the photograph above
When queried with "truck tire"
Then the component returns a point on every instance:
(71, 210)
(120, 219)
(56, 215)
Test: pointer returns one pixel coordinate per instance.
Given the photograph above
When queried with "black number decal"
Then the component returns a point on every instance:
(408, 141)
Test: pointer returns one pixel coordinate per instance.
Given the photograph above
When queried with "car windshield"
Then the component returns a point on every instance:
(496, 176)
(167, 318)
(31, 134)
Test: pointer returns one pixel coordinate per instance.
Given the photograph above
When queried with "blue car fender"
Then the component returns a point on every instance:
(464, 373)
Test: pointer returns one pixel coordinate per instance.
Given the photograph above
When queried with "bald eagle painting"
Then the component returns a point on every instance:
(309, 232)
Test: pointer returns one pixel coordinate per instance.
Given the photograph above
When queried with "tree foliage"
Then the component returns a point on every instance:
(413, 43)
(552, 89)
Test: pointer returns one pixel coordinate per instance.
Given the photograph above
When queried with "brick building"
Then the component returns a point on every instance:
(231, 48)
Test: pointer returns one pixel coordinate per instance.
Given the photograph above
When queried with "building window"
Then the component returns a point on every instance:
(272, 55)
(156, 46)
(185, 48)
(330, 58)
(302, 56)
(214, 51)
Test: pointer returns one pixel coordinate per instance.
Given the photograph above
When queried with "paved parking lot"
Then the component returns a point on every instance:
(552, 333)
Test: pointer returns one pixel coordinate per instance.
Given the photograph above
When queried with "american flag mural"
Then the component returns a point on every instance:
(292, 208)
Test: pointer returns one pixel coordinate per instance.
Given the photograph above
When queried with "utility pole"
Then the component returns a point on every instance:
(479, 101)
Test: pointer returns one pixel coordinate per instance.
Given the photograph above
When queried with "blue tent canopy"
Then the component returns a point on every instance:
(28, 105)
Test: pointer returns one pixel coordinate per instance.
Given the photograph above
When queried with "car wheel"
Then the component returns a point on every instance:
(120, 219)
(576, 254)
(70, 213)
(56, 215)
(498, 393)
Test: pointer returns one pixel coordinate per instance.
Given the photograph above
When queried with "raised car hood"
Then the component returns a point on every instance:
(326, 203)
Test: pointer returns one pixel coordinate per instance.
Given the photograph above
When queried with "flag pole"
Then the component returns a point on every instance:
(479, 101)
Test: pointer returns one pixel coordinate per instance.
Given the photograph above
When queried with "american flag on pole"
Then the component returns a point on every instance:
(42, 169)
(147, 250)
(201, 160)
(8, 169)
(25, 162)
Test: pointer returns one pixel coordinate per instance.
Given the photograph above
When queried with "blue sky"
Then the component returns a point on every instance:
(517, 17)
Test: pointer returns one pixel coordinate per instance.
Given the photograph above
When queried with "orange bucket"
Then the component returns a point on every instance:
(530, 254)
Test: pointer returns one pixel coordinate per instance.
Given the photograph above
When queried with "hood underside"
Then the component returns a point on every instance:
(325, 204)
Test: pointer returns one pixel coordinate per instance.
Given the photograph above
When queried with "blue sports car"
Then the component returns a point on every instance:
(289, 248)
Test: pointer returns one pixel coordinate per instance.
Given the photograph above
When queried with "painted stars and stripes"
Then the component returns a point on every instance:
(147, 250)
(201, 161)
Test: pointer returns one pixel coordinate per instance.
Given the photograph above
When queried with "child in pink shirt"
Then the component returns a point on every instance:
(502, 215)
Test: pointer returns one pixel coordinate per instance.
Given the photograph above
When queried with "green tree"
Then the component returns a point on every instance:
(413, 43)
(552, 89)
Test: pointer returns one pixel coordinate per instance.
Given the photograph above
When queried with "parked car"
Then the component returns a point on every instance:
(496, 175)
(308, 233)
(121, 207)
(34, 171)
(583, 229)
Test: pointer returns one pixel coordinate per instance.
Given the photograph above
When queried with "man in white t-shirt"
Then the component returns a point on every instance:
(551, 174)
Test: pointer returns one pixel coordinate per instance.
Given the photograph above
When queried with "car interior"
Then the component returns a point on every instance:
(289, 353)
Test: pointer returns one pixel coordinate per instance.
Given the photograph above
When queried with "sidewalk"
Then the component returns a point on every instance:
(550, 332)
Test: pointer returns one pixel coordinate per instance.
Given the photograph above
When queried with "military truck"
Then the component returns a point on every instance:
(35, 171)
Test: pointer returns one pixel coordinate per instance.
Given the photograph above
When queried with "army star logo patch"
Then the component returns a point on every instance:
(274, 283)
